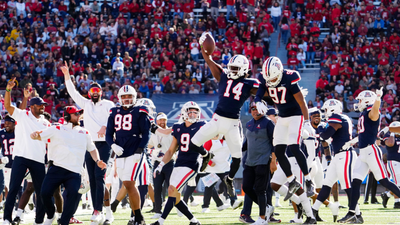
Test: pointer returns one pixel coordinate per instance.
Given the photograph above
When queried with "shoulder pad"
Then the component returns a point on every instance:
(114, 109)
(253, 82)
(144, 109)
(335, 118)
(292, 75)
(202, 123)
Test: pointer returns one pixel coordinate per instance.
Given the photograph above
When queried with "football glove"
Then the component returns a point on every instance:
(4, 160)
(307, 126)
(109, 167)
(304, 91)
(117, 149)
(382, 133)
(379, 93)
(158, 169)
(350, 143)
(261, 108)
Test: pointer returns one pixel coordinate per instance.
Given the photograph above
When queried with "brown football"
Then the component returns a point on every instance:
(209, 44)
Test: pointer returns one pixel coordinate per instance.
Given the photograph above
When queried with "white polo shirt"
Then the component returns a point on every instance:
(95, 115)
(164, 141)
(67, 146)
(222, 156)
(24, 146)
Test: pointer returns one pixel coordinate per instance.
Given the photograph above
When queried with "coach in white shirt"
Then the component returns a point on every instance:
(28, 154)
(95, 121)
(68, 145)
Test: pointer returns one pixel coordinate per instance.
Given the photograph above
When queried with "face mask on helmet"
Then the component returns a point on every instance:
(191, 112)
(365, 99)
(127, 96)
(272, 71)
(238, 66)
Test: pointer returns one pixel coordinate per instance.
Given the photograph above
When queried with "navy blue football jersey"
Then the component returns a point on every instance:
(367, 129)
(393, 153)
(283, 93)
(183, 134)
(7, 146)
(131, 128)
(233, 94)
(343, 134)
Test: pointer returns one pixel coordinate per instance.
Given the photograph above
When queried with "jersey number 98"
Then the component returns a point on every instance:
(123, 122)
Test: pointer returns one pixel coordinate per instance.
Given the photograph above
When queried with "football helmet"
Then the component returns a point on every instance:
(238, 66)
(332, 106)
(272, 71)
(365, 99)
(127, 90)
(149, 103)
(395, 124)
(185, 112)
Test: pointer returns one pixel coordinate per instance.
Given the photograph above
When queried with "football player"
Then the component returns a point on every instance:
(339, 127)
(392, 141)
(234, 89)
(7, 146)
(282, 86)
(186, 165)
(131, 126)
(370, 157)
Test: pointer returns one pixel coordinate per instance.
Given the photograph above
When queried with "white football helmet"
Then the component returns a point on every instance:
(127, 90)
(332, 106)
(149, 103)
(272, 71)
(238, 66)
(395, 124)
(365, 99)
(185, 112)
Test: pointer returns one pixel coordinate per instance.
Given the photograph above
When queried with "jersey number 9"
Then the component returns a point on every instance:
(185, 140)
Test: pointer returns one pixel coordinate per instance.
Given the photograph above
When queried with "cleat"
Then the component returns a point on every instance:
(316, 215)
(310, 220)
(385, 199)
(310, 188)
(73, 220)
(131, 222)
(155, 223)
(246, 219)
(296, 221)
(222, 207)
(156, 216)
(396, 205)
(348, 218)
(366, 202)
(300, 212)
(195, 223)
(16, 221)
(114, 206)
(230, 186)
(107, 222)
(49, 221)
(194, 204)
(342, 206)
(237, 204)
(359, 218)
(151, 211)
(273, 220)
(269, 210)
(260, 221)
(139, 223)
(205, 210)
(97, 216)
(89, 207)
(206, 159)
(84, 206)
(293, 187)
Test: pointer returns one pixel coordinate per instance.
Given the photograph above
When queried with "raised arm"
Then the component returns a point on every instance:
(27, 95)
(215, 68)
(374, 114)
(7, 96)
(78, 98)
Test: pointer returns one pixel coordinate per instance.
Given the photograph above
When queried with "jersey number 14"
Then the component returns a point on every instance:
(237, 90)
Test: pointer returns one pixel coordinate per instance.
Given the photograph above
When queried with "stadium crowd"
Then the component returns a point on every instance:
(151, 45)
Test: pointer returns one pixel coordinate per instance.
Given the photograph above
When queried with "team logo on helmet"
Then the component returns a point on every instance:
(332, 103)
(277, 65)
(367, 94)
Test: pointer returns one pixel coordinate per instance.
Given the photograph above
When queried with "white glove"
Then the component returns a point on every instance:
(117, 149)
(203, 37)
(261, 108)
(109, 168)
(350, 143)
(307, 126)
(382, 133)
(305, 134)
(304, 91)
(158, 169)
(4, 160)
(2, 166)
(379, 93)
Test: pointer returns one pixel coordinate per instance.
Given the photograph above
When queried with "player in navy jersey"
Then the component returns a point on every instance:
(7, 145)
(234, 89)
(339, 127)
(282, 86)
(131, 126)
(370, 157)
(392, 142)
(186, 165)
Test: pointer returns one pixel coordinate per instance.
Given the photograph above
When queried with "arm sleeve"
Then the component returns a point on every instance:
(327, 133)
(261, 89)
(110, 130)
(78, 98)
(89, 145)
(48, 133)
(144, 127)
(270, 132)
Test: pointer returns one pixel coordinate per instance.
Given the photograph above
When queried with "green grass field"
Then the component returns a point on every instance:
(372, 214)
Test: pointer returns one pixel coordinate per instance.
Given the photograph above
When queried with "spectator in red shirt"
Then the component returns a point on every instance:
(249, 50)
(315, 31)
(169, 64)
(125, 8)
(230, 8)
(321, 83)
(293, 62)
(346, 70)
(394, 38)
(333, 67)
(178, 9)
(188, 7)
(384, 59)
(221, 22)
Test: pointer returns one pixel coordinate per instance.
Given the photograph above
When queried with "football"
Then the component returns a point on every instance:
(209, 44)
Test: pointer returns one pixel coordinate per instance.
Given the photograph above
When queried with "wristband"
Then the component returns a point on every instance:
(8, 90)
(161, 164)
(97, 161)
(392, 134)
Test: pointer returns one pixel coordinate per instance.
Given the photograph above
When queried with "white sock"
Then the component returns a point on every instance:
(290, 179)
(396, 200)
(58, 215)
(194, 220)
(307, 177)
(108, 210)
(83, 199)
(317, 204)
(388, 194)
(358, 210)
(283, 191)
(30, 200)
(132, 218)
(19, 212)
(305, 202)
(161, 221)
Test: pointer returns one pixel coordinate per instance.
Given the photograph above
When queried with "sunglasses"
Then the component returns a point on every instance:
(253, 109)
(77, 114)
(95, 90)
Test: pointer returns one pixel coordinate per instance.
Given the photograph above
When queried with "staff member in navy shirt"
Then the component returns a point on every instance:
(261, 160)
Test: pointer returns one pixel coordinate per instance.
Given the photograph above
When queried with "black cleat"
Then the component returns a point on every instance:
(230, 186)
(132, 222)
(139, 223)
(107, 222)
(114, 206)
(273, 220)
(206, 159)
(359, 218)
(310, 220)
(310, 188)
(300, 211)
(196, 223)
(151, 211)
(293, 187)
(84, 206)
(316, 215)
(348, 218)
(396, 205)
(17, 220)
(155, 223)
(385, 199)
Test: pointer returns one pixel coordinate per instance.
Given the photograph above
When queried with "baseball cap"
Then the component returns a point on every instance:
(9, 118)
(37, 101)
(272, 111)
(314, 110)
(162, 116)
(73, 109)
(107, 57)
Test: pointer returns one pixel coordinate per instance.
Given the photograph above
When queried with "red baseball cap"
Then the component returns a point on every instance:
(73, 109)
